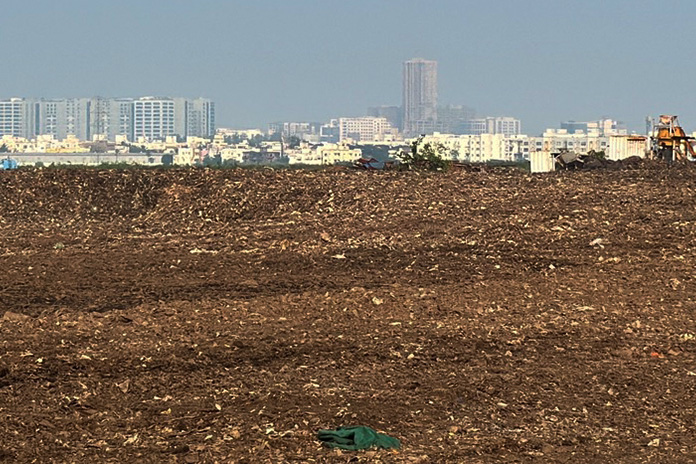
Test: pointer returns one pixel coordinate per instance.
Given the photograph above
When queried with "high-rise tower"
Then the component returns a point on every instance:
(419, 96)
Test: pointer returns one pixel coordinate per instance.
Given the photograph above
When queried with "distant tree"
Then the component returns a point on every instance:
(256, 140)
(212, 161)
(424, 157)
(294, 141)
(235, 138)
(3, 148)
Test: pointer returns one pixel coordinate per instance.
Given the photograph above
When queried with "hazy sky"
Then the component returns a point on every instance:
(542, 61)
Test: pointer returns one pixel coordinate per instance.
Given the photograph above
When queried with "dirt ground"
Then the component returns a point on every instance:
(225, 316)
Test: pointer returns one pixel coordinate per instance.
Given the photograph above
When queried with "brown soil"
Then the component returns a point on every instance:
(225, 316)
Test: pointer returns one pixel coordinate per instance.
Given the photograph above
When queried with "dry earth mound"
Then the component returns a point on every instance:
(227, 315)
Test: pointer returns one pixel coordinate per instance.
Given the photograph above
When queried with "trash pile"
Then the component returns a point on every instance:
(489, 315)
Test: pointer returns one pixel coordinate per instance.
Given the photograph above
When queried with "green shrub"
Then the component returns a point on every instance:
(424, 157)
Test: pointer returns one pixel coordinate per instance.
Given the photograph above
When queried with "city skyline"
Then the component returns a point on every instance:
(543, 61)
(146, 117)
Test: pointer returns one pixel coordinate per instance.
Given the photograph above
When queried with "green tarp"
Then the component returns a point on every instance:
(356, 438)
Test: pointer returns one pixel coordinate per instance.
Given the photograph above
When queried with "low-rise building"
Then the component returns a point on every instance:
(366, 129)
(504, 125)
(323, 154)
(556, 140)
(481, 148)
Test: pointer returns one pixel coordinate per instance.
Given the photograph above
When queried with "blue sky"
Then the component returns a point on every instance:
(542, 61)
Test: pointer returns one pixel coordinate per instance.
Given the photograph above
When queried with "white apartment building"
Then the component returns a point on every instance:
(556, 140)
(107, 118)
(200, 118)
(332, 153)
(504, 125)
(153, 118)
(483, 147)
(64, 117)
(323, 154)
(294, 129)
(366, 129)
(111, 118)
(17, 117)
(490, 147)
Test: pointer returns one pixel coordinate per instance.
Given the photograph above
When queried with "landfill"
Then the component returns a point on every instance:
(227, 315)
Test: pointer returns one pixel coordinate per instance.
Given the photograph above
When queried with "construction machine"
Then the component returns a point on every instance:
(669, 142)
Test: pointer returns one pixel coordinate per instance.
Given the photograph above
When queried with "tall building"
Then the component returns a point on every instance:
(200, 118)
(150, 118)
(419, 96)
(17, 118)
(62, 117)
(153, 118)
(504, 125)
(111, 117)
(160, 117)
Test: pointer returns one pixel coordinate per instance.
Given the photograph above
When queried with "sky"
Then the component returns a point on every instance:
(542, 61)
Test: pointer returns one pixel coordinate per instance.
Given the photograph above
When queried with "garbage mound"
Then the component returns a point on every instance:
(490, 315)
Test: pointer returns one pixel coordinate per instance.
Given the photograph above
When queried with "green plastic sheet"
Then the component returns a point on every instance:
(356, 438)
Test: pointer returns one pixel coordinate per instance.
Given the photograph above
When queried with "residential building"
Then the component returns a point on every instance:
(200, 118)
(492, 125)
(366, 129)
(323, 154)
(63, 117)
(153, 118)
(556, 140)
(333, 153)
(329, 132)
(482, 148)
(504, 125)
(419, 93)
(111, 118)
(146, 118)
(294, 129)
(604, 127)
(17, 117)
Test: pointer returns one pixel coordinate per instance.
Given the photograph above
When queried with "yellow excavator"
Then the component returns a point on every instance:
(670, 142)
